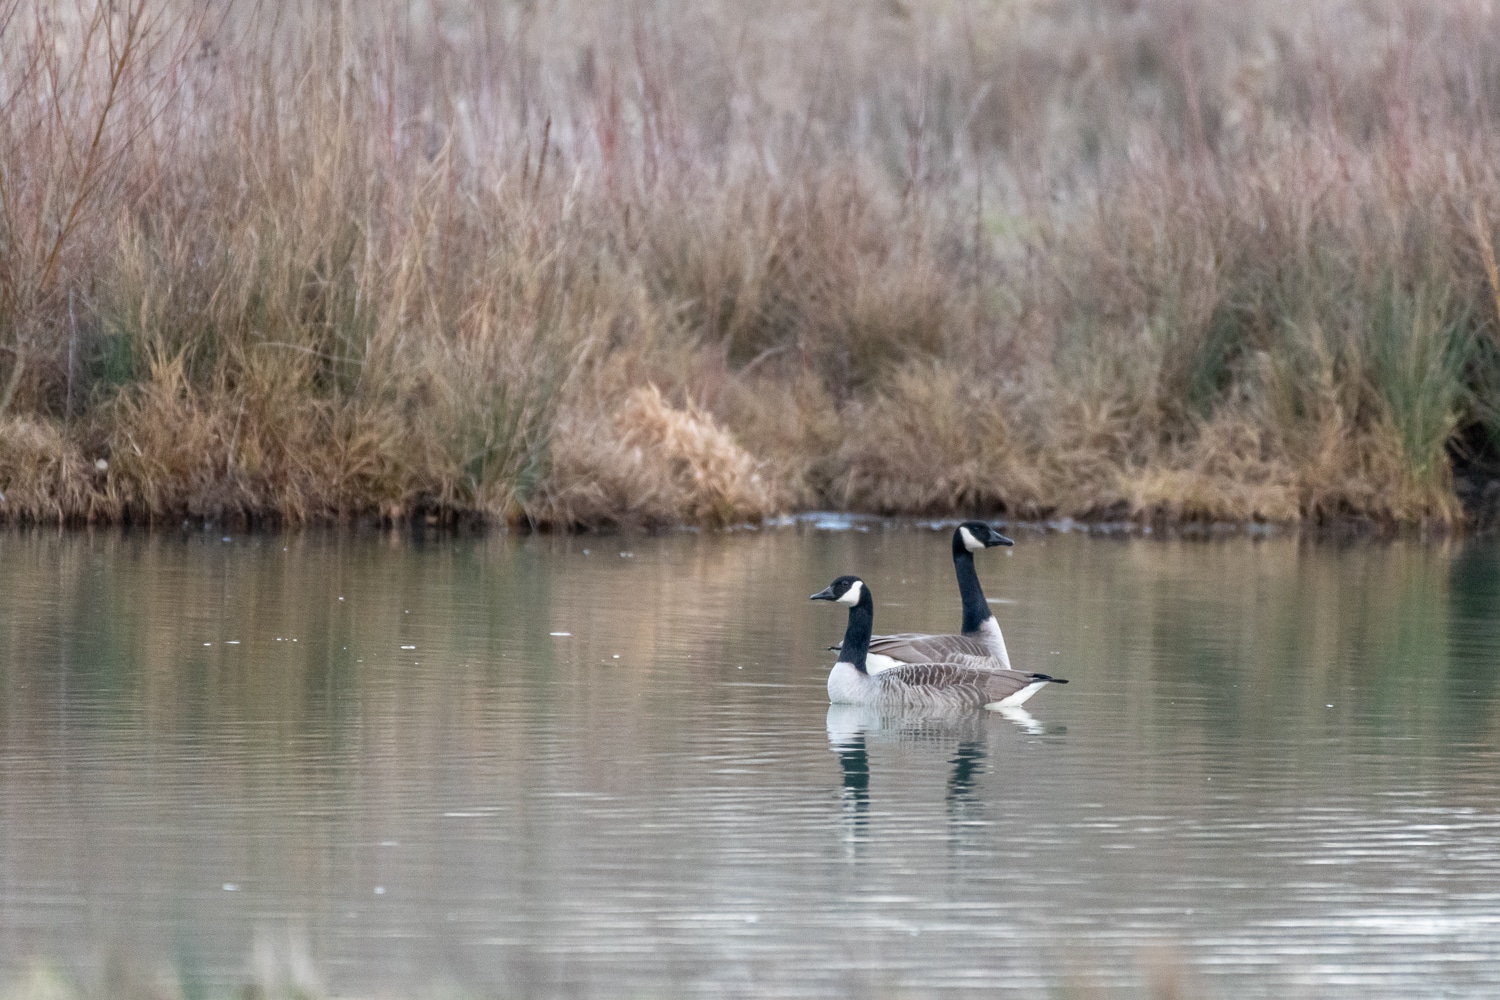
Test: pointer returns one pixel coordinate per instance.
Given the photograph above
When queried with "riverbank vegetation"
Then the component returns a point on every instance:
(576, 264)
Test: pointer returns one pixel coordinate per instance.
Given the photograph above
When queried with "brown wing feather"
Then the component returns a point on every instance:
(912, 647)
(951, 684)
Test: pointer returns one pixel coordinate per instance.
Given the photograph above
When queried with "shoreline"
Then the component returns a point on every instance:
(667, 469)
(1351, 529)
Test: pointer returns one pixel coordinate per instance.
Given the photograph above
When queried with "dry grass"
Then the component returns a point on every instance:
(45, 477)
(650, 464)
(1153, 260)
(1326, 341)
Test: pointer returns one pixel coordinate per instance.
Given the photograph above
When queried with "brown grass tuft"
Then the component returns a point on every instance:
(652, 464)
(253, 451)
(1228, 473)
(936, 440)
(45, 478)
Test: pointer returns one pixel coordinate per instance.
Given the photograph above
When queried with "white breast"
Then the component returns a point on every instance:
(989, 631)
(847, 686)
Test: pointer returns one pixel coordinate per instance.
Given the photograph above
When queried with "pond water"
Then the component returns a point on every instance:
(606, 766)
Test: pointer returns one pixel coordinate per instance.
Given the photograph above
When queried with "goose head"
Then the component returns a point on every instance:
(846, 590)
(971, 536)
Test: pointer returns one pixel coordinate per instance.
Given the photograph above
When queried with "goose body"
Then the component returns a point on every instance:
(935, 686)
(979, 643)
(887, 651)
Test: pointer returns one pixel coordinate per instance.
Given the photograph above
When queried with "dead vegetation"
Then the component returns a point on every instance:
(651, 464)
(578, 265)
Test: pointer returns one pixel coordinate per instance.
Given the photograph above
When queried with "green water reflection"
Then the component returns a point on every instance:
(591, 765)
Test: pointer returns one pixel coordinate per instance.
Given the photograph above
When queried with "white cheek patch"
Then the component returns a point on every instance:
(970, 542)
(851, 596)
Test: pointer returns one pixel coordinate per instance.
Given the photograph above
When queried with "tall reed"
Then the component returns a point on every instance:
(1137, 260)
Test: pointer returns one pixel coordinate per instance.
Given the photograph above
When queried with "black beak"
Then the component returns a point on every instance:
(997, 539)
(826, 594)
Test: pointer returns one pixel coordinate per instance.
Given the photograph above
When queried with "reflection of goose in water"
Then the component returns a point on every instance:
(1025, 720)
(852, 728)
(854, 761)
(847, 723)
(979, 643)
(923, 687)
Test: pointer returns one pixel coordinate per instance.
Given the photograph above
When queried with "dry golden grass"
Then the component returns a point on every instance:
(46, 478)
(936, 440)
(650, 464)
(1228, 473)
(1058, 258)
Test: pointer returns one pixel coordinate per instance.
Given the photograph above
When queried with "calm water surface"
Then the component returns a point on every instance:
(606, 766)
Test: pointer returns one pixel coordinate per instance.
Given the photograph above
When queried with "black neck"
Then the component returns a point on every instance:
(857, 636)
(976, 608)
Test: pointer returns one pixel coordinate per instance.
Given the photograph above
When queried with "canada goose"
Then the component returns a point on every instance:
(923, 686)
(980, 643)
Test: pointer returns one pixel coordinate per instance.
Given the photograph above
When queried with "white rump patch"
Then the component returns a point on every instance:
(851, 596)
(1019, 697)
(970, 542)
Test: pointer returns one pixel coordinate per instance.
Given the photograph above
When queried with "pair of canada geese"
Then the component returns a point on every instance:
(929, 672)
